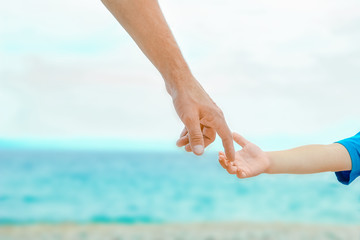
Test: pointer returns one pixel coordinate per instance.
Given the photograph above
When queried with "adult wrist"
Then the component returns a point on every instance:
(177, 82)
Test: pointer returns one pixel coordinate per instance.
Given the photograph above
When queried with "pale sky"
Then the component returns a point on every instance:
(277, 69)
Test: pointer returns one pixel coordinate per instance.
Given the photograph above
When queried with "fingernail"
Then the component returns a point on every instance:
(198, 149)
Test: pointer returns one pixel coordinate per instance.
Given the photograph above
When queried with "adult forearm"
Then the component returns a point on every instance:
(145, 23)
(310, 159)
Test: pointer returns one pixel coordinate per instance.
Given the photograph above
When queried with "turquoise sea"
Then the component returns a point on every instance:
(144, 187)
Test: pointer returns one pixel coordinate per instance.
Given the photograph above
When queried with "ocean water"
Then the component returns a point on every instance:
(144, 187)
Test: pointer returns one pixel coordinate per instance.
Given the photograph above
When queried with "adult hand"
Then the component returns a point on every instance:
(202, 119)
(145, 23)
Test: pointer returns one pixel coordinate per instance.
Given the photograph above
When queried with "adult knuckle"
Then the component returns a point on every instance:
(187, 119)
(220, 113)
(196, 135)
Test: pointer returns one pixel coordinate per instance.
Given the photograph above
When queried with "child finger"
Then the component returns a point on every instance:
(222, 163)
(222, 157)
(232, 169)
(221, 153)
(241, 174)
(240, 139)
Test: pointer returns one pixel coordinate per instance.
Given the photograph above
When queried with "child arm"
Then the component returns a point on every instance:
(310, 159)
(251, 161)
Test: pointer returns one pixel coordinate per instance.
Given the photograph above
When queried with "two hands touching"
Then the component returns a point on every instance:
(145, 23)
(250, 161)
(203, 119)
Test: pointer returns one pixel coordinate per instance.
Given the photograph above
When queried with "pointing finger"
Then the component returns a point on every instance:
(227, 140)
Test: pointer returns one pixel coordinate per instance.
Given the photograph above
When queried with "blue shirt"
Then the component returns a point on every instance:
(352, 144)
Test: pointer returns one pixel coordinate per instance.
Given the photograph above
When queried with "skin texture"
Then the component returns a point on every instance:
(251, 161)
(145, 23)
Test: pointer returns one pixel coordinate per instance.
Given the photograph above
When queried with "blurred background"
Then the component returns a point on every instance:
(88, 131)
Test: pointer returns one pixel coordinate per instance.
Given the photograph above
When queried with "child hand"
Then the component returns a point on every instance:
(250, 161)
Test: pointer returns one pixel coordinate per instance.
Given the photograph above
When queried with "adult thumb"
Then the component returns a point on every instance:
(196, 137)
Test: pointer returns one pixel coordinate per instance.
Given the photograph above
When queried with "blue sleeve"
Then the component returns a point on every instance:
(352, 144)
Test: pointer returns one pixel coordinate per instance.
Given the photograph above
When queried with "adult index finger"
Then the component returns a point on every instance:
(227, 140)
